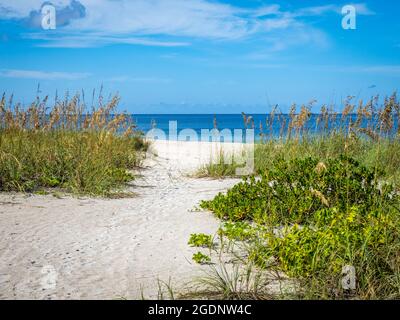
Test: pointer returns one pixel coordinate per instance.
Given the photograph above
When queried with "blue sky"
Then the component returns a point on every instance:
(201, 56)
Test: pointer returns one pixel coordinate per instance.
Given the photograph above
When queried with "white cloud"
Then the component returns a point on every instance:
(42, 75)
(164, 22)
(317, 10)
(22, 8)
(94, 40)
(267, 11)
(361, 8)
(192, 18)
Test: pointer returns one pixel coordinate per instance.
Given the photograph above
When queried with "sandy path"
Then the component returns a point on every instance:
(72, 248)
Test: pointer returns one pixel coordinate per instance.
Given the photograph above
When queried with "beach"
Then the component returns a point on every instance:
(65, 247)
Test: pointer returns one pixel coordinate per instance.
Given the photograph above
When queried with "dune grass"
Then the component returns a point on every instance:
(369, 133)
(319, 204)
(68, 146)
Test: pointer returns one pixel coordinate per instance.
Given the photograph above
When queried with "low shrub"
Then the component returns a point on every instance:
(201, 258)
(312, 218)
(201, 240)
(291, 192)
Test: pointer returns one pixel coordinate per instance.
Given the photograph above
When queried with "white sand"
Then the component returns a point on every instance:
(73, 248)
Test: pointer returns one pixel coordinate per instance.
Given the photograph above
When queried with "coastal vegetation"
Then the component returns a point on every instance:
(69, 146)
(367, 132)
(320, 203)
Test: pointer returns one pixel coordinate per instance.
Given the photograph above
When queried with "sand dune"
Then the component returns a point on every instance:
(72, 248)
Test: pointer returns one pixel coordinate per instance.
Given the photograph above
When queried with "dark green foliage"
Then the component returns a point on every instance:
(201, 240)
(291, 191)
(312, 218)
(201, 258)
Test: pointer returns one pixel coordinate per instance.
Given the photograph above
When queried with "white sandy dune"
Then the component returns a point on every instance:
(72, 248)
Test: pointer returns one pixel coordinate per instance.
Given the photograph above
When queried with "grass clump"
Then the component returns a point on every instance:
(224, 165)
(67, 147)
(367, 132)
(232, 282)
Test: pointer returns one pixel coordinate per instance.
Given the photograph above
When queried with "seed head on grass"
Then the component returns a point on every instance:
(67, 146)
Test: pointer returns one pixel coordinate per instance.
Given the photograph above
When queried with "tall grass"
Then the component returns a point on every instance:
(67, 146)
(369, 132)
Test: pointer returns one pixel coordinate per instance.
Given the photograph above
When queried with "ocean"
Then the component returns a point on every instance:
(260, 122)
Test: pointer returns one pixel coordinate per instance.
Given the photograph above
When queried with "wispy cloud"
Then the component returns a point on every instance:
(139, 79)
(95, 40)
(388, 69)
(183, 18)
(375, 69)
(317, 10)
(42, 75)
(90, 23)
(361, 9)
